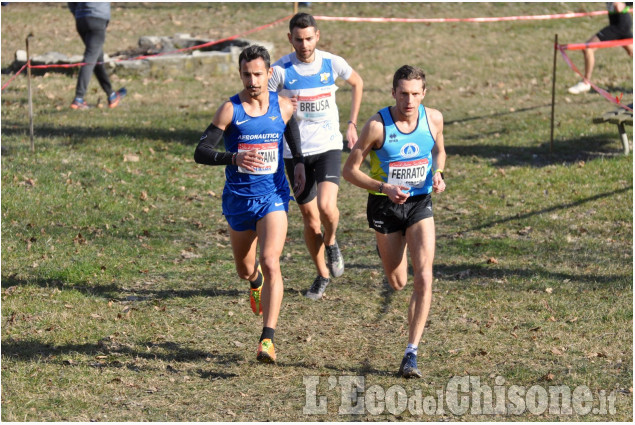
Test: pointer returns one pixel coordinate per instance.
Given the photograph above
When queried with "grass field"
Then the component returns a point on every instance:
(119, 296)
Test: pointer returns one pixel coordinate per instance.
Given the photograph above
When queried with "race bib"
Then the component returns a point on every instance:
(316, 105)
(269, 153)
(408, 173)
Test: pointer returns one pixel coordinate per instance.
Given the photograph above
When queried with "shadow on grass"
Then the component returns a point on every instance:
(521, 217)
(569, 151)
(80, 134)
(533, 277)
(364, 369)
(116, 293)
(167, 351)
(170, 352)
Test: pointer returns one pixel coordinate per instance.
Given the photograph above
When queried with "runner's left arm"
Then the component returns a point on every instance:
(357, 88)
(438, 151)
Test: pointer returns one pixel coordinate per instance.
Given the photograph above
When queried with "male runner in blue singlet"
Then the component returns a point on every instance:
(308, 77)
(256, 194)
(407, 156)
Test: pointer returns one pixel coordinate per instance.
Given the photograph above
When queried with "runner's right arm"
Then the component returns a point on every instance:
(206, 152)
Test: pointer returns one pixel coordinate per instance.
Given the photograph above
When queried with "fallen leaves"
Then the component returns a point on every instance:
(525, 231)
(79, 240)
(130, 157)
(188, 255)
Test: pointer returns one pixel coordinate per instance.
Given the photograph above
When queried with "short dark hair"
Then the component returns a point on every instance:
(302, 20)
(254, 52)
(408, 72)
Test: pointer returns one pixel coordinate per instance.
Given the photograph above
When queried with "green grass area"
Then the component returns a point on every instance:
(119, 297)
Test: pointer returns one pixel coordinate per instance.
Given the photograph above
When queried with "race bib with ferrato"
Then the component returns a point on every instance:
(269, 153)
(408, 173)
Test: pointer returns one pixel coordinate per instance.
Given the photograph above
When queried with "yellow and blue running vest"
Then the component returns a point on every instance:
(404, 159)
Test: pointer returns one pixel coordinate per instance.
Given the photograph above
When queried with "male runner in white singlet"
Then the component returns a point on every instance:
(308, 77)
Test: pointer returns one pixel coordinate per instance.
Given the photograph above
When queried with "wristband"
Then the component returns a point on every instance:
(354, 125)
(234, 158)
(440, 171)
(381, 187)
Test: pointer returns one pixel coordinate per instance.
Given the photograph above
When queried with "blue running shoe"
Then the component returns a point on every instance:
(408, 368)
(115, 98)
(79, 104)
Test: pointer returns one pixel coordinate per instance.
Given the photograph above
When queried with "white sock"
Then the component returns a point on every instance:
(411, 348)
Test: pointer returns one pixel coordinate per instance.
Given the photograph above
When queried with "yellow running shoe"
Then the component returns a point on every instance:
(254, 297)
(266, 352)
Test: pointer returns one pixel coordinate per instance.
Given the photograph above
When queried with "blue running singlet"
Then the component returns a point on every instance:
(263, 133)
(404, 159)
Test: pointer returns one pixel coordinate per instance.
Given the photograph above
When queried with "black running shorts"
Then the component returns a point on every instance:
(387, 217)
(319, 168)
(616, 32)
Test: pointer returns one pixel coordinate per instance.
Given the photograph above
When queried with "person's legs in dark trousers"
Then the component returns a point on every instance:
(93, 34)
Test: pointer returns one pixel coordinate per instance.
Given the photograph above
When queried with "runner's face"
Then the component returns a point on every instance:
(255, 76)
(304, 41)
(408, 94)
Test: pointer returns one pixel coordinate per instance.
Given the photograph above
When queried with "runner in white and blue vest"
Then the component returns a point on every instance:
(307, 76)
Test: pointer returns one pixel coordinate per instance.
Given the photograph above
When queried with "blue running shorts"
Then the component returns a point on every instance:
(243, 213)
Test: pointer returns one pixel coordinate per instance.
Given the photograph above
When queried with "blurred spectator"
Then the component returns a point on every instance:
(620, 27)
(91, 20)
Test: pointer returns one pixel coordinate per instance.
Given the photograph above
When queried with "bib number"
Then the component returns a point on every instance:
(408, 173)
(269, 153)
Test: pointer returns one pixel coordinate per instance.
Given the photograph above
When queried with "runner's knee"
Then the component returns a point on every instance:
(270, 266)
(397, 283)
(244, 272)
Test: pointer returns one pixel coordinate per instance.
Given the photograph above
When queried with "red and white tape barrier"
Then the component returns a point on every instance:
(613, 99)
(439, 20)
(597, 45)
(13, 78)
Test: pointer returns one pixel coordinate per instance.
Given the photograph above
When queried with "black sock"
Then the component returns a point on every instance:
(256, 283)
(267, 333)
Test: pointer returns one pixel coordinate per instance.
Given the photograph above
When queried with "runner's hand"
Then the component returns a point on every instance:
(397, 193)
(351, 136)
(438, 184)
(294, 102)
(249, 160)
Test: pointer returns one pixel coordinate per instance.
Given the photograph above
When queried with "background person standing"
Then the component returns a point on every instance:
(91, 20)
